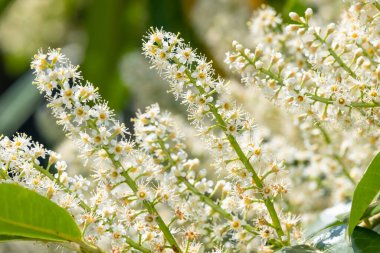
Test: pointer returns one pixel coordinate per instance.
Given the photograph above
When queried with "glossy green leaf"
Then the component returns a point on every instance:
(365, 241)
(365, 192)
(372, 210)
(12, 237)
(26, 214)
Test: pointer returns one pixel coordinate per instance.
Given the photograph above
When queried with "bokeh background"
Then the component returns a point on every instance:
(105, 37)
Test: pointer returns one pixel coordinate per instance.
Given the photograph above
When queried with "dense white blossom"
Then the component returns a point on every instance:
(234, 145)
(148, 192)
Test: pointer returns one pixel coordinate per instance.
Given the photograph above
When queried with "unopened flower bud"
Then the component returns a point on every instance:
(360, 60)
(259, 50)
(308, 14)
(275, 58)
(237, 45)
(53, 157)
(306, 77)
(335, 46)
(358, 52)
(294, 16)
(330, 28)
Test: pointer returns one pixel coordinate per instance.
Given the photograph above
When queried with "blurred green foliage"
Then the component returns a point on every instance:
(105, 31)
(3, 5)
(107, 37)
(284, 7)
(20, 101)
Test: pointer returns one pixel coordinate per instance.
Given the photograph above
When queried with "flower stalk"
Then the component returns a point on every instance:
(184, 69)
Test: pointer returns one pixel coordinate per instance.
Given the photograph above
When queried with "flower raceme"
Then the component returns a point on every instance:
(329, 74)
(78, 106)
(20, 162)
(157, 135)
(227, 129)
(281, 61)
(327, 77)
(124, 198)
(134, 179)
(158, 156)
(146, 194)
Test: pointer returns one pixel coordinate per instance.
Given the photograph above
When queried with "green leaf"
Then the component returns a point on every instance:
(365, 241)
(12, 237)
(26, 214)
(372, 210)
(3, 5)
(299, 249)
(365, 192)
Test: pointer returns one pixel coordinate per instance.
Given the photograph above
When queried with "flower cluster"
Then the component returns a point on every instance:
(124, 213)
(226, 218)
(228, 131)
(328, 74)
(136, 179)
(157, 135)
(315, 74)
(21, 161)
(148, 193)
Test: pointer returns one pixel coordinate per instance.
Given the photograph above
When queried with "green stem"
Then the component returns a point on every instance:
(268, 202)
(235, 145)
(344, 168)
(366, 54)
(4, 174)
(136, 245)
(150, 207)
(242, 157)
(335, 56)
(88, 248)
(187, 246)
(63, 187)
(280, 82)
(377, 5)
(326, 136)
(204, 198)
(208, 201)
(364, 105)
(335, 156)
